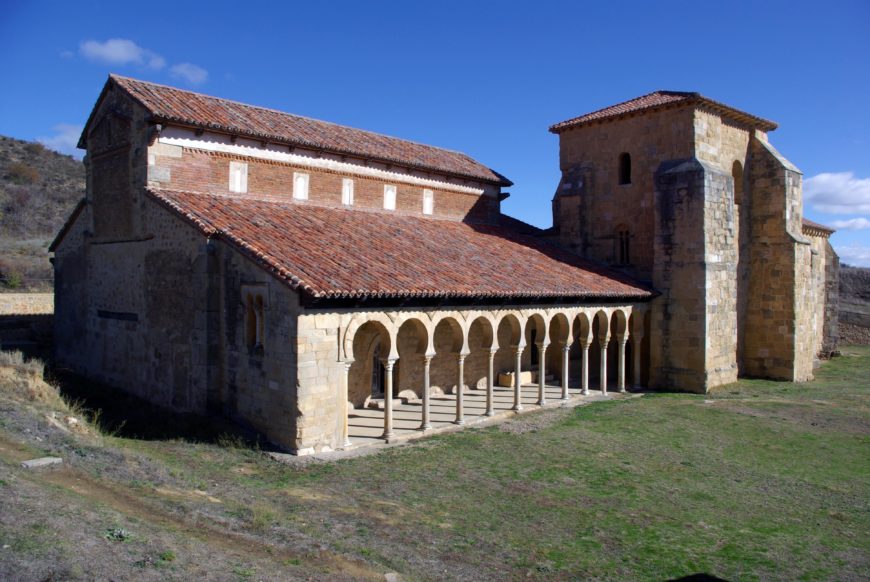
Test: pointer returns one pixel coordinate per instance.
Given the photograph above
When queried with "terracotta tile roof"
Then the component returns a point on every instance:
(658, 100)
(172, 105)
(809, 224)
(336, 253)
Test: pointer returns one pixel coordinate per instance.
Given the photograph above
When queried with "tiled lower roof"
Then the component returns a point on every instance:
(337, 253)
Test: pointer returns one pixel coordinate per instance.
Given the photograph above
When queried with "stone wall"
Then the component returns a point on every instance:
(830, 318)
(590, 203)
(779, 336)
(203, 171)
(695, 316)
(715, 217)
(26, 303)
(163, 318)
(146, 303)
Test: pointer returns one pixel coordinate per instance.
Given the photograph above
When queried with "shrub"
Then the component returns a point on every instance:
(12, 280)
(34, 149)
(21, 173)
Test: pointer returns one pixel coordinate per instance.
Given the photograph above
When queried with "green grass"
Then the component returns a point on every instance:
(760, 480)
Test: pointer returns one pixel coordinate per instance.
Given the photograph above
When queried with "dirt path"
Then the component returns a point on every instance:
(147, 507)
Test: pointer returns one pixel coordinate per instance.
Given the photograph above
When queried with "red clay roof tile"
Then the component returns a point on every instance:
(817, 226)
(329, 252)
(202, 111)
(659, 99)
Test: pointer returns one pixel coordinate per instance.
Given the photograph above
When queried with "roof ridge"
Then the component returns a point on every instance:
(626, 102)
(280, 112)
(648, 101)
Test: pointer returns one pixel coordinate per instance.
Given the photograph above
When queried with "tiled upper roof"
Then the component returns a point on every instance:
(817, 226)
(221, 115)
(328, 252)
(659, 99)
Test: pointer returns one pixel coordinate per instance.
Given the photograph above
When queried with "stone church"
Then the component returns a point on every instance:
(318, 282)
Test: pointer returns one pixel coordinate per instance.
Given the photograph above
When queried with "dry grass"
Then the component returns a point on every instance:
(22, 379)
(764, 480)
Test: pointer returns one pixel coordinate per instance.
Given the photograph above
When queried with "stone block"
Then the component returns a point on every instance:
(41, 462)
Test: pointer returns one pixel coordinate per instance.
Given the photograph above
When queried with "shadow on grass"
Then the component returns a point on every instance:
(127, 416)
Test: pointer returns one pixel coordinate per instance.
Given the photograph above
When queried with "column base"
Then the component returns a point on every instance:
(517, 407)
(459, 421)
(541, 402)
(425, 426)
(387, 435)
(621, 390)
(489, 413)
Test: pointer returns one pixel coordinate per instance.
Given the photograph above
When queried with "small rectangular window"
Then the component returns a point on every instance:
(347, 192)
(389, 197)
(428, 201)
(300, 186)
(239, 177)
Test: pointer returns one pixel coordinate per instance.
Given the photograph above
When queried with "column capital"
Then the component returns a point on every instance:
(492, 351)
(566, 348)
(347, 364)
(603, 341)
(389, 362)
(427, 358)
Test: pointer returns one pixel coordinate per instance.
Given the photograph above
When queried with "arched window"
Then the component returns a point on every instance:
(623, 250)
(737, 174)
(255, 317)
(624, 168)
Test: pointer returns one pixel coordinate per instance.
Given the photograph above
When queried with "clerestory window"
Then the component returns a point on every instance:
(625, 168)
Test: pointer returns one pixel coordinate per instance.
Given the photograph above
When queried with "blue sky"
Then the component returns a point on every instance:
(485, 78)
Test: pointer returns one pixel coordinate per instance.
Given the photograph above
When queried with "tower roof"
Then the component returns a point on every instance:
(658, 100)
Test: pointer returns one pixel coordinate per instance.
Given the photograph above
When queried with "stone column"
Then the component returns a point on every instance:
(460, 417)
(603, 343)
(345, 431)
(566, 354)
(427, 363)
(388, 399)
(490, 382)
(584, 378)
(542, 373)
(518, 401)
(620, 374)
(637, 343)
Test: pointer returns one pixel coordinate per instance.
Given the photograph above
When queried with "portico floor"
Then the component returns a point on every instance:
(366, 425)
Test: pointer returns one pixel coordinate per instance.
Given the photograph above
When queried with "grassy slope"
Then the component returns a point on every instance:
(764, 480)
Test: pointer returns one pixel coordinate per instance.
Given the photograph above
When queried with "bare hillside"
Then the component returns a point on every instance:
(38, 190)
(854, 305)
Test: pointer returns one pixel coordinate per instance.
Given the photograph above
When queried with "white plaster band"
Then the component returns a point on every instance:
(213, 142)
